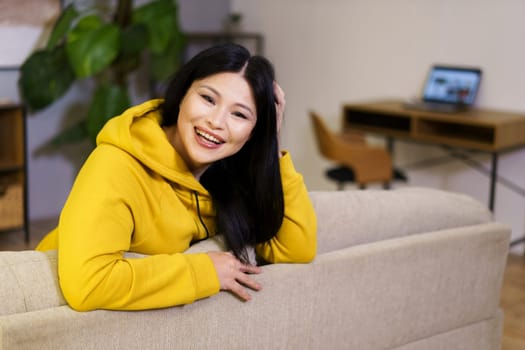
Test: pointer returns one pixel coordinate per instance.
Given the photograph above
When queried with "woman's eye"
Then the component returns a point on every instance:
(240, 115)
(207, 98)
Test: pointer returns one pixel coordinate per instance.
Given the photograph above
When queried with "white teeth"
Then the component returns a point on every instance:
(208, 136)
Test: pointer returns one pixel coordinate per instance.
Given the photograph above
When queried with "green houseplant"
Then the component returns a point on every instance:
(105, 43)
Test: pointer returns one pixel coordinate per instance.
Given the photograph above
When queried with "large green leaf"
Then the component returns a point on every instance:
(44, 77)
(92, 46)
(133, 41)
(108, 101)
(163, 65)
(85, 25)
(62, 26)
(160, 18)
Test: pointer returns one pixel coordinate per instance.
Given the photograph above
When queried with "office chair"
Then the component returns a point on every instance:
(356, 161)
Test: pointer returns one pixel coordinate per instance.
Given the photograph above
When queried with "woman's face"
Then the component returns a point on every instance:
(216, 118)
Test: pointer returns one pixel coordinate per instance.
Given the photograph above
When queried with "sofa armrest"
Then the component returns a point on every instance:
(347, 218)
(29, 282)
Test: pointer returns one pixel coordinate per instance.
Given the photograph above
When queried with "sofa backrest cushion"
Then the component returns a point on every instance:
(346, 218)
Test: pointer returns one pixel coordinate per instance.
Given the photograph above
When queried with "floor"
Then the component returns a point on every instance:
(513, 303)
(14, 240)
(512, 294)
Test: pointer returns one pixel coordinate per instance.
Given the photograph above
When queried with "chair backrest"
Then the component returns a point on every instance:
(370, 164)
(326, 140)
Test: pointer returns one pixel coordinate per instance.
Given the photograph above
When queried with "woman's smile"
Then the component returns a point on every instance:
(208, 139)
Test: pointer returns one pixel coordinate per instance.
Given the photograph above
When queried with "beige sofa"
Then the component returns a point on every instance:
(404, 269)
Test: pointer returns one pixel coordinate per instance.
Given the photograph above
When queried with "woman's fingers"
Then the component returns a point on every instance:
(280, 104)
(240, 291)
(239, 286)
(234, 275)
(247, 268)
(278, 93)
(248, 281)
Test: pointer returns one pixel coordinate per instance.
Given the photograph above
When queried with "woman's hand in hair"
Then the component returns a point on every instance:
(234, 275)
(280, 103)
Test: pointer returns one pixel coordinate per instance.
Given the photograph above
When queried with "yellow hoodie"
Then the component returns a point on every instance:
(135, 194)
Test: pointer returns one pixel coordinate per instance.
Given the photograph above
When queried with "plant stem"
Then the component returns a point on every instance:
(123, 14)
(122, 19)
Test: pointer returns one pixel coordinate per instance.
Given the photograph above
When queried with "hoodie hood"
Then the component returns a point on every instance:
(137, 131)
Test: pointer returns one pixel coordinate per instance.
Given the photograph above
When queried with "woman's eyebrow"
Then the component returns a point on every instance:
(242, 105)
(210, 88)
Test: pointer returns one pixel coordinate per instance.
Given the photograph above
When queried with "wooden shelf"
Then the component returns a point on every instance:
(485, 130)
(474, 135)
(13, 177)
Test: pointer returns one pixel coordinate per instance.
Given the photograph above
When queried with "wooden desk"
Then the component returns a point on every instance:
(485, 130)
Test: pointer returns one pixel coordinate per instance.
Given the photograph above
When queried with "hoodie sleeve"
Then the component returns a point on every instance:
(296, 240)
(96, 228)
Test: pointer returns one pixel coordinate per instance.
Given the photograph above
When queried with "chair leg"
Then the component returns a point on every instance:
(386, 185)
(340, 186)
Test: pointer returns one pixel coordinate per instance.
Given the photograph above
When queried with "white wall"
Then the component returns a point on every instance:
(330, 52)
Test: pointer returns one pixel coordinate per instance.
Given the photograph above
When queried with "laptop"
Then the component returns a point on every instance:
(448, 89)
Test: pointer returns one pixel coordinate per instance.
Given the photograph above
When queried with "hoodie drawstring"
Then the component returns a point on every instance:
(200, 217)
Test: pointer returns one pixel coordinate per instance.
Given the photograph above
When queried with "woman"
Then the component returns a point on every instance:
(167, 173)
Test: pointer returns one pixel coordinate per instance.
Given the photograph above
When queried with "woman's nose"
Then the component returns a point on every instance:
(216, 119)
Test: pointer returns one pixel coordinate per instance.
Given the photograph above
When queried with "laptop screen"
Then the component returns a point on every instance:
(453, 85)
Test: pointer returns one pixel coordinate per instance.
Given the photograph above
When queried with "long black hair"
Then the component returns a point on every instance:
(246, 187)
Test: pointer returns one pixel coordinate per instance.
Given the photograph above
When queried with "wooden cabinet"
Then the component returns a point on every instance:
(13, 177)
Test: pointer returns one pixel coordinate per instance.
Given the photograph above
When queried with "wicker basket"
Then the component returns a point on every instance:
(11, 206)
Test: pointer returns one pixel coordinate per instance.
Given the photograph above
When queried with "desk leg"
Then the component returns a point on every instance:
(493, 179)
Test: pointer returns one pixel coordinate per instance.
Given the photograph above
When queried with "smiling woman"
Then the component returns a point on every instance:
(168, 173)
